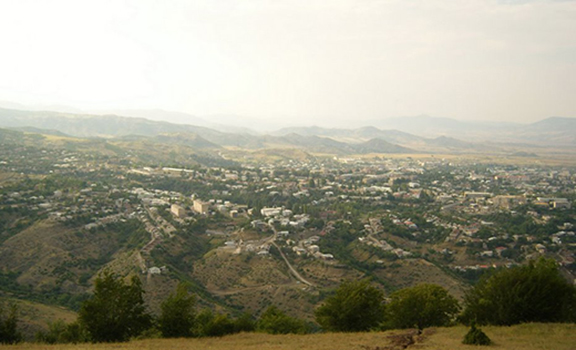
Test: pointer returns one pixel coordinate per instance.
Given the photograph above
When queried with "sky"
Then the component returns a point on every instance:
(307, 62)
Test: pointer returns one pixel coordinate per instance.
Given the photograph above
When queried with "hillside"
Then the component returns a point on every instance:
(522, 337)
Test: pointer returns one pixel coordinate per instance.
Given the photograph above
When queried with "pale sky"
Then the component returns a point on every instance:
(309, 61)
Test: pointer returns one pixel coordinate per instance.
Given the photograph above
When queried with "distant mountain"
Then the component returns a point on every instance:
(381, 146)
(186, 139)
(551, 131)
(554, 131)
(352, 135)
(41, 131)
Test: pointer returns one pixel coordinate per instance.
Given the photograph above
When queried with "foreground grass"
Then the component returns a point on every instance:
(523, 337)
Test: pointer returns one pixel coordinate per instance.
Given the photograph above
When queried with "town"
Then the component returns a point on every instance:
(316, 220)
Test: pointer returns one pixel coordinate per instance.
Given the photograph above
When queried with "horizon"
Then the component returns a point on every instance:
(236, 121)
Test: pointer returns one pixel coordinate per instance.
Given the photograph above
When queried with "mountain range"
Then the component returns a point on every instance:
(427, 134)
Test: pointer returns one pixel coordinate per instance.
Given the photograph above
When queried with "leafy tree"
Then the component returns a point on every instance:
(116, 311)
(177, 317)
(9, 333)
(536, 292)
(356, 307)
(275, 321)
(425, 305)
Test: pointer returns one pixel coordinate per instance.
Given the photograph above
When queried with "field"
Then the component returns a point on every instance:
(522, 337)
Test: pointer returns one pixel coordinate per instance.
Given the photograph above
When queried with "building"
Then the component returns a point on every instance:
(177, 211)
(270, 211)
(508, 202)
(200, 206)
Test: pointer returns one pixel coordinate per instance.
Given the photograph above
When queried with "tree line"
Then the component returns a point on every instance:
(536, 292)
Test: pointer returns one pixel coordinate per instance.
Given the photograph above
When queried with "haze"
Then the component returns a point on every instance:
(295, 62)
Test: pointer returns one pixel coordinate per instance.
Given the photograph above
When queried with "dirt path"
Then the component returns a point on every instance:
(292, 269)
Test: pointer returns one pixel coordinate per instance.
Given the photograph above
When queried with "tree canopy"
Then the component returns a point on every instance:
(425, 305)
(177, 317)
(536, 292)
(116, 312)
(355, 307)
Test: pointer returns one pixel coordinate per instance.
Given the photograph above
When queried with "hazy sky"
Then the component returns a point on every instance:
(313, 61)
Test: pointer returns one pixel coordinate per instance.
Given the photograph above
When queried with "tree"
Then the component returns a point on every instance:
(356, 307)
(425, 305)
(536, 292)
(275, 321)
(9, 333)
(116, 311)
(177, 317)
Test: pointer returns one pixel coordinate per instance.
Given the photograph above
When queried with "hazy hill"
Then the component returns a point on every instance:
(442, 134)
(381, 146)
(554, 131)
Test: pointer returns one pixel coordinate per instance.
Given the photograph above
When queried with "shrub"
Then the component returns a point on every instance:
(59, 333)
(536, 292)
(425, 305)
(244, 323)
(209, 324)
(475, 336)
(356, 307)
(275, 321)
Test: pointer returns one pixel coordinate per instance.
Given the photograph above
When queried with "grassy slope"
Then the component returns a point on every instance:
(35, 316)
(522, 337)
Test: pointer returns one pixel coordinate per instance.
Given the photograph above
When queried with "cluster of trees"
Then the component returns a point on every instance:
(116, 312)
(536, 292)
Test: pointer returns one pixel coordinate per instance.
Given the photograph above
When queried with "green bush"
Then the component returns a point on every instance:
(425, 305)
(475, 336)
(536, 292)
(60, 333)
(275, 321)
(356, 307)
(244, 323)
(209, 324)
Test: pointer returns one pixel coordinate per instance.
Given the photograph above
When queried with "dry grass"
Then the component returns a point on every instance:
(523, 337)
